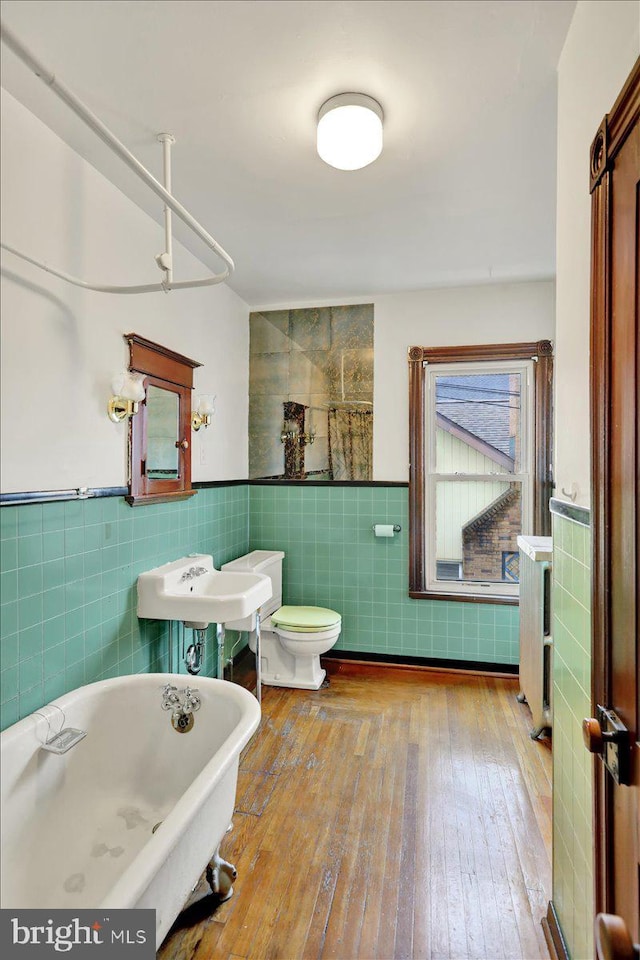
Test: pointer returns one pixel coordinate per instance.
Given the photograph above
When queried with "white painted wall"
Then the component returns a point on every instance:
(448, 316)
(61, 345)
(494, 313)
(600, 50)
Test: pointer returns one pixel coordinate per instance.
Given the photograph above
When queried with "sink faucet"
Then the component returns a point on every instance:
(192, 572)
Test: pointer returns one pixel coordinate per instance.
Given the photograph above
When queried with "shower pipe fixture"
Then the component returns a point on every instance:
(164, 260)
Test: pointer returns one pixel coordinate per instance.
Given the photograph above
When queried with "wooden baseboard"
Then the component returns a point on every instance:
(553, 935)
(428, 664)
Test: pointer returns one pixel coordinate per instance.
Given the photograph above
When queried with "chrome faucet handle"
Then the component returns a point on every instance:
(169, 696)
(191, 699)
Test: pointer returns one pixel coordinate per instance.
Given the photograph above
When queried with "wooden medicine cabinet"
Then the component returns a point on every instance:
(160, 433)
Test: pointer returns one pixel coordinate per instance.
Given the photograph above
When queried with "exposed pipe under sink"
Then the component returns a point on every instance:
(195, 652)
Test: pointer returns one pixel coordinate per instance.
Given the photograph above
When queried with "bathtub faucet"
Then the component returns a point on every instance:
(191, 701)
(170, 698)
(183, 704)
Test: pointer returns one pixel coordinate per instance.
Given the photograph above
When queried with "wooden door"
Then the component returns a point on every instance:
(615, 382)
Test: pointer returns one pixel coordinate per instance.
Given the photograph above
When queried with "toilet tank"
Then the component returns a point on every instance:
(268, 562)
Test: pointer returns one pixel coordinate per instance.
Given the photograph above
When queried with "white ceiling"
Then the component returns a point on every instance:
(464, 190)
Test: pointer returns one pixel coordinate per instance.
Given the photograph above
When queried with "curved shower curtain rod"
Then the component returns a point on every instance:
(164, 260)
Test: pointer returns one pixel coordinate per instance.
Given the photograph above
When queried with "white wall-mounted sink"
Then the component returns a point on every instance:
(191, 589)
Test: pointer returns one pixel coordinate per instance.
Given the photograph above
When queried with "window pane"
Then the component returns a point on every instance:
(478, 423)
(477, 525)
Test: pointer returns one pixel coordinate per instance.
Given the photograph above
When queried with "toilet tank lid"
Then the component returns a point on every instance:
(256, 560)
(308, 618)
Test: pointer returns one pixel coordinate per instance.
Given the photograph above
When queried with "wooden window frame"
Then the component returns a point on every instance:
(540, 351)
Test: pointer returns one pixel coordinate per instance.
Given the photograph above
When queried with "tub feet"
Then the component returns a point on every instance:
(220, 876)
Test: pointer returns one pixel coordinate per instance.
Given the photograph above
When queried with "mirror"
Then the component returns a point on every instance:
(311, 394)
(163, 424)
(160, 433)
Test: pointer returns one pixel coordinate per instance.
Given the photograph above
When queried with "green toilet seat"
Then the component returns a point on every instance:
(305, 619)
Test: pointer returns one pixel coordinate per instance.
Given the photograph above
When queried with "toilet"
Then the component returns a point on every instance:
(292, 638)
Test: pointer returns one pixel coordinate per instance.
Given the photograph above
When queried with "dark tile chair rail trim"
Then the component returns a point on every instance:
(51, 496)
(570, 511)
(91, 493)
(327, 483)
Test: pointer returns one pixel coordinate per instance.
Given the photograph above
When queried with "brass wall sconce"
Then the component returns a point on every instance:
(201, 417)
(128, 392)
(289, 431)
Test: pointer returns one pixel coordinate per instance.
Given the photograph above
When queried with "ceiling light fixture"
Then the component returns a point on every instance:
(350, 131)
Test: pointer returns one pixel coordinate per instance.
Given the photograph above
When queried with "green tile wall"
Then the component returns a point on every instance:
(572, 764)
(334, 560)
(67, 587)
(69, 570)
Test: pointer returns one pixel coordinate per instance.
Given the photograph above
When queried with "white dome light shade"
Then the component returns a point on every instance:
(350, 131)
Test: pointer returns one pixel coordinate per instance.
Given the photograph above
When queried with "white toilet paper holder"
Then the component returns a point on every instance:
(396, 527)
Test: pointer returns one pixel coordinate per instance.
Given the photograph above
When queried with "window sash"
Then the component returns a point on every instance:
(433, 475)
(524, 370)
(538, 421)
(492, 587)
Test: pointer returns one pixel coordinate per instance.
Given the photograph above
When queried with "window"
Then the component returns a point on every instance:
(480, 422)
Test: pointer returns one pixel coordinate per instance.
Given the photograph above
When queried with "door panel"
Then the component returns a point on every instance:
(615, 168)
(624, 508)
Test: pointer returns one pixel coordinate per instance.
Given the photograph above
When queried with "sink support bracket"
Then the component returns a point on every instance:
(220, 651)
(258, 660)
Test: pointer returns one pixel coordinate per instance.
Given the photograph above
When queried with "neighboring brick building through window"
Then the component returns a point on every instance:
(490, 540)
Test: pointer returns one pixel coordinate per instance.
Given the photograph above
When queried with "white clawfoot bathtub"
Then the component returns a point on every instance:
(77, 828)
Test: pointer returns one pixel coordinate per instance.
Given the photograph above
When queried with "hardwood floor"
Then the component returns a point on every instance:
(395, 814)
